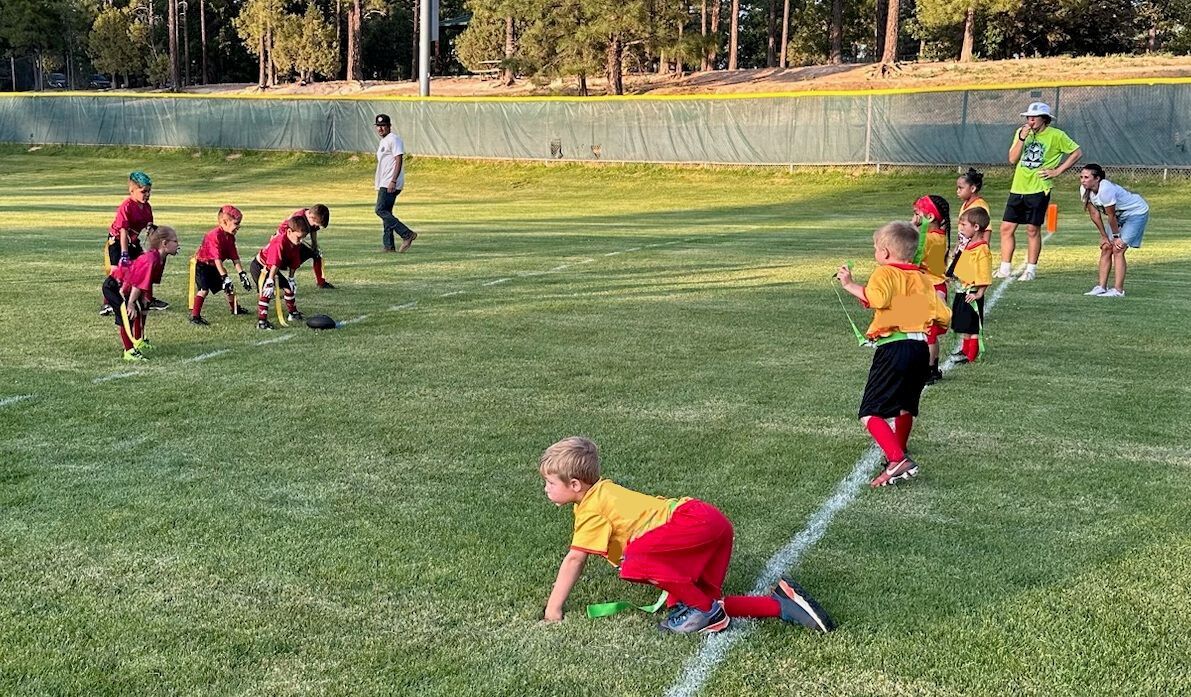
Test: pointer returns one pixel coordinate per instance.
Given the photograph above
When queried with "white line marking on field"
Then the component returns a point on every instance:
(560, 267)
(454, 292)
(634, 249)
(715, 649)
(353, 320)
(204, 356)
(611, 254)
(585, 261)
(114, 376)
(275, 340)
(404, 306)
(497, 281)
(14, 399)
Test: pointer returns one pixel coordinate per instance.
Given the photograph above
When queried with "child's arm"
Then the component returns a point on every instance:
(123, 245)
(845, 278)
(133, 302)
(314, 240)
(568, 573)
(975, 294)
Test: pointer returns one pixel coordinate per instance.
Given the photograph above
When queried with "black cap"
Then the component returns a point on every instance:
(383, 120)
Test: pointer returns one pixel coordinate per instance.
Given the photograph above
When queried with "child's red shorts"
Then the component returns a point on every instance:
(694, 546)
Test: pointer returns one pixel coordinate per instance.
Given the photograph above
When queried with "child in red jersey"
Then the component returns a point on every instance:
(319, 217)
(130, 289)
(208, 274)
(935, 213)
(682, 546)
(133, 216)
(280, 254)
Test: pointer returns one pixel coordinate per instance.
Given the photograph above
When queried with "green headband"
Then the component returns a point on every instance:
(140, 178)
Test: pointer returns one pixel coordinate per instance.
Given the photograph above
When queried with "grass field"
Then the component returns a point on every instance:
(358, 512)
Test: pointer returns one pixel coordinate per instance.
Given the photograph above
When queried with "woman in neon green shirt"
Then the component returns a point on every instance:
(1041, 153)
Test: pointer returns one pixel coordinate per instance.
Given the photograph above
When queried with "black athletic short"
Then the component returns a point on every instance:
(111, 295)
(965, 320)
(896, 379)
(207, 277)
(113, 245)
(305, 251)
(256, 269)
(1027, 209)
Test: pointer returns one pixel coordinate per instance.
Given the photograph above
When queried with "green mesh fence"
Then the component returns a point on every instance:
(1133, 125)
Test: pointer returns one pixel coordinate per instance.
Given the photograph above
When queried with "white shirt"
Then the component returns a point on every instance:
(386, 161)
(1125, 201)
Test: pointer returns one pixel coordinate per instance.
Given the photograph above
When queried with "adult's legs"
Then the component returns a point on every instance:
(1118, 268)
(1008, 242)
(1034, 243)
(389, 222)
(1105, 265)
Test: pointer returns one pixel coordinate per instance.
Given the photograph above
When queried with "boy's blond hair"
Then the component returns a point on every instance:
(900, 238)
(572, 458)
(159, 234)
(976, 216)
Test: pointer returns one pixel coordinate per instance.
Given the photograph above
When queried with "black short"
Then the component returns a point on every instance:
(1027, 209)
(305, 251)
(896, 379)
(113, 246)
(111, 295)
(256, 269)
(965, 320)
(207, 277)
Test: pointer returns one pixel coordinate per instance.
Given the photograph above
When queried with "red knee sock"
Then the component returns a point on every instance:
(902, 425)
(318, 271)
(198, 305)
(752, 606)
(972, 348)
(290, 305)
(262, 308)
(886, 439)
(124, 338)
(138, 327)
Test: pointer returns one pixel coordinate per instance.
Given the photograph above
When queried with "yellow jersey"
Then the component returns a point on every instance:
(610, 516)
(903, 299)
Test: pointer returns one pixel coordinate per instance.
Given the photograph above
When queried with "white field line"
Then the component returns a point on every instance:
(204, 356)
(14, 399)
(497, 281)
(275, 340)
(611, 254)
(114, 376)
(454, 292)
(353, 320)
(715, 649)
(403, 306)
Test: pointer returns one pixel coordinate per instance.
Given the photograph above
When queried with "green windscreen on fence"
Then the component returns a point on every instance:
(1136, 125)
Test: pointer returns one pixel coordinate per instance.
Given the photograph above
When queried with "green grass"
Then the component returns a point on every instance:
(358, 512)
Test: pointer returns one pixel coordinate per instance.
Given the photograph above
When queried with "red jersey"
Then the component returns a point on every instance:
(131, 216)
(216, 246)
(145, 271)
(300, 213)
(280, 252)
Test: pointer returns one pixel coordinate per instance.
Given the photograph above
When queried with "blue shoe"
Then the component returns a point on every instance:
(688, 620)
(798, 607)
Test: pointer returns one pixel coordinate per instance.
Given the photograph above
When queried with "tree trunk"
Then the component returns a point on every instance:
(771, 36)
(679, 67)
(175, 66)
(965, 50)
(614, 72)
(510, 49)
(786, 31)
(354, 72)
(262, 75)
(734, 35)
(882, 14)
(269, 64)
(186, 48)
(837, 33)
(889, 55)
(582, 85)
(704, 64)
(1152, 38)
(717, 8)
(203, 35)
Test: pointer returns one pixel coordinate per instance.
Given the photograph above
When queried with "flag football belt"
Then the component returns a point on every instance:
(900, 336)
(608, 609)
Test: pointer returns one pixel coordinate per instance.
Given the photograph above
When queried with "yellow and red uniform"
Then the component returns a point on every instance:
(610, 516)
(904, 300)
(974, 266)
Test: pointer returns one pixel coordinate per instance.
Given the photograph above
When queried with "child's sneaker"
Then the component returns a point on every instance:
(896, 472)
(798, 607)
(688, 620)
(106, 311)
(295, 316)
(1096, 290)
(133, 356)
(264, 324)
(237, 310)
(143, 345)
(326, 285)
(1113, 293)
(156, 304)
(199, 320)
(934, 376)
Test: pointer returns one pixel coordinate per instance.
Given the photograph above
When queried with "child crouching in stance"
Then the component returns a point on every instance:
(906, 309)
(130, 291)
(682, 546)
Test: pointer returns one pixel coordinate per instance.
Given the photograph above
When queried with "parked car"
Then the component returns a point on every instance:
(99, 82)
(57, 81)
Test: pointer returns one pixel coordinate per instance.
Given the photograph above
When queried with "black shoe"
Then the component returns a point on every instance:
(198, 319)
(264, 324)
(156, 304)
(237, 310)
(295, 316)
(327, 285)
(106, 311)
(935, 375)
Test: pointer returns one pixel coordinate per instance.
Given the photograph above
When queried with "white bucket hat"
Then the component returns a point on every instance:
(1038, 109)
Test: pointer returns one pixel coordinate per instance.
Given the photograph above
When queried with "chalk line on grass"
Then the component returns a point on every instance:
(497, 281)
(699, 668)
(114, 376)
(205, 356)
(275, 340)
(454, 292)
(353, 320)
(403, 306)
(14, 399)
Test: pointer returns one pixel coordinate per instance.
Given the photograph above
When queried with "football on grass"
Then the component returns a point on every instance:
(320, 322)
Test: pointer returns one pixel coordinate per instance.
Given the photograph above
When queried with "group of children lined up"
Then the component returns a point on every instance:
(134, 270)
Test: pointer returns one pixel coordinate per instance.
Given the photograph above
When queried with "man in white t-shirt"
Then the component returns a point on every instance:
(389, 181)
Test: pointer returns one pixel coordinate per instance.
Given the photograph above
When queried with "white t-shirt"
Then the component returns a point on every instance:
(1126, 202)
(386, 161)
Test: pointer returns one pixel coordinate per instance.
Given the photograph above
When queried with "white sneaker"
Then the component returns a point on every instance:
(1096, 290)
(1113, 293)
(1027, 275)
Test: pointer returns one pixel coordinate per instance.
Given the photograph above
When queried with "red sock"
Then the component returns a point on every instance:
(752, 606)
(198, 305)
(138, 326)
(902, 425)
(262, 308)
(125, 339)
(972, 348)
(290, 305)
(318, 271)
(886, 439)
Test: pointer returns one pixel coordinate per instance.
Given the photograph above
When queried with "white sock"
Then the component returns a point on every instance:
(1031, 268)
(1006, 268)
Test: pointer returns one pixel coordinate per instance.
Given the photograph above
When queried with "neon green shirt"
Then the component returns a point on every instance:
(1044, 150)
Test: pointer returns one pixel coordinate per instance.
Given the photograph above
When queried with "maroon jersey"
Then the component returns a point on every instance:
(133, 217)
(145, 271)
(280, 252)
(217, 245)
